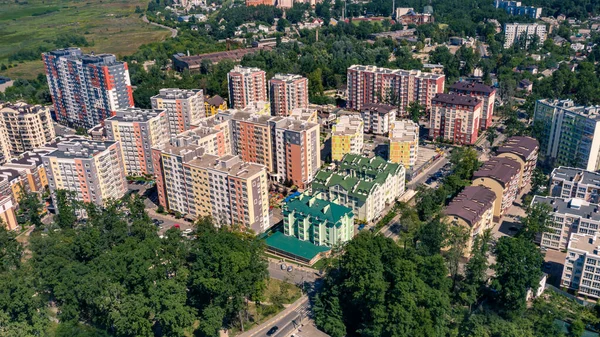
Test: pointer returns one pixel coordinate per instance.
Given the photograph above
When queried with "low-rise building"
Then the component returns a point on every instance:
(567, 217)
(404, 142)
(501, 175)
(569, 182)
(581, 272)
(93, 170)
(347, 136)
(377, 117)
(214, 104)
(324, 223)
(455, 118)
(137, 131)
(473, 209)
(525, 151)
(364, 184)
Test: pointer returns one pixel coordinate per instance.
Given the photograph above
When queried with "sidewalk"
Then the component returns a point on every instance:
(270, 322)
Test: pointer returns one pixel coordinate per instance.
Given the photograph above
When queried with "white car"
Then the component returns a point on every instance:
(187, 231)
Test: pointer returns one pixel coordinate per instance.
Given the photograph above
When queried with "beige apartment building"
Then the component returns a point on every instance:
(404, 142)
(26, 127)
(347, 136)
(501, 175)
(94, 170)
(287, 92)
(137, 131)
(184, 108)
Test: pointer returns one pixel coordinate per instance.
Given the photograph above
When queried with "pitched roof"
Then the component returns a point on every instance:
(519, 145)
(318, 208)
(501, 169)
(216, 100)
(471, 204)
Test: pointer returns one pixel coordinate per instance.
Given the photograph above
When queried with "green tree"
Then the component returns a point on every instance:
(416, 111)
(536, 221)
(11, 250)
(577, 328)
(65, 209)
(31, 206)
(491, 135)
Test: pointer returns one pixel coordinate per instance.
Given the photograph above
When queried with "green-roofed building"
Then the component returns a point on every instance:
(366, 185)
(318, 221)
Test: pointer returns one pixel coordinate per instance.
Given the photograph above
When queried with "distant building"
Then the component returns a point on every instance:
(214, 104)
(287, 92)
(515, 8)
(473, 209)
(397, 87)
(347, 136)
(321, 222)
(569, 182)
(377, 118)
(483, 92)
(137, 131)
(364, 184)
(193, 63)
(514, 32)
(86, 88)
(246, 85)
(250, 3)
(581, 272)
(501, 175)
(27, 127)
(525, 151)
(526, 85)
(411, 17)
(93, 170)
(404, 142)
(455, 118)
(569, 134)
(567, 217)
(184, 108)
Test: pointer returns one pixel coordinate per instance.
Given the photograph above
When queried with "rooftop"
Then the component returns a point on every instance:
(195, 61)
(22, 108)
(471, 204)
(501, 169)
(519, 145)
(471, 87)
(404, 131)
(592, 111)
(287, 77)
(293, 246)
(174, 93)
(135, 115)
(456, 99)
(245, 70)
(573, 206)
(80, 148)
(584, 242)
(401, 72)
(348, 125)
(578, 175)
(232, 165)
(318, 208)
(216, 100)
(375, 107)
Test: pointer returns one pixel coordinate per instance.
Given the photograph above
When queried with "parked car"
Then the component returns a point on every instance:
(177, 226)
(187, 231)
(283, 266)
(361, 226)
(272, 331)
(290, 268)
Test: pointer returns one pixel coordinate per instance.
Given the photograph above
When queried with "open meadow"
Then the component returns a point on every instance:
(110, 26)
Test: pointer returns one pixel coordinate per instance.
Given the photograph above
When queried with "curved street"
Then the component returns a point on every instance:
(173, 30)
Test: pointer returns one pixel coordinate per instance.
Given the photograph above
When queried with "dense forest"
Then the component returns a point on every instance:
(113, 276)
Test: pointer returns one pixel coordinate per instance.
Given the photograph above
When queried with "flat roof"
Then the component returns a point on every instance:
(573, 206)
(456, 99)
(293, 246)
(578, 175)
(472, 87)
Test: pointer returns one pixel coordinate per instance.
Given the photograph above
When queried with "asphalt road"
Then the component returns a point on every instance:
(288, 323)
(430, 171)
(296, 276)
(173, 30)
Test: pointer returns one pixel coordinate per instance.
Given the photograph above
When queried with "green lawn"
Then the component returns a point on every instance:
(112, 26)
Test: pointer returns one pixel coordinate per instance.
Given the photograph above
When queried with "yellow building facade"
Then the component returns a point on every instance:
(347, 136)
(404, 142)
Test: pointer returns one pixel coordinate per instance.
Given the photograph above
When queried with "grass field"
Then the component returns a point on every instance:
(112, 26)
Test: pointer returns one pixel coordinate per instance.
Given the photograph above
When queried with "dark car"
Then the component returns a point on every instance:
(272, 331)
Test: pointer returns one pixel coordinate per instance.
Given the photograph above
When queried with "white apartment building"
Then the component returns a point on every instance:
(568, 217)
(378, 117)
(184, 108)
(513, 32)
(570, 182)
(582, 266)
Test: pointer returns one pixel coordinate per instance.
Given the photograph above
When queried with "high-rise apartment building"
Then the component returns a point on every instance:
(347, 136)
(27, 127)
(246, 85)
(404, 142)
(184, 108)
(252, 139)
(581, 272)
(524, 33)
(397, 87)
(378, 117)
(287, 92)
(568, 216)
(195, 183)
(569, 134)
(516, 8)
(93, 170)
(297, 150)
(137, 131)
(86, 88)
(569, 182)
(485, 93)
(455, 118)
(321, 222)
(525, 151)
